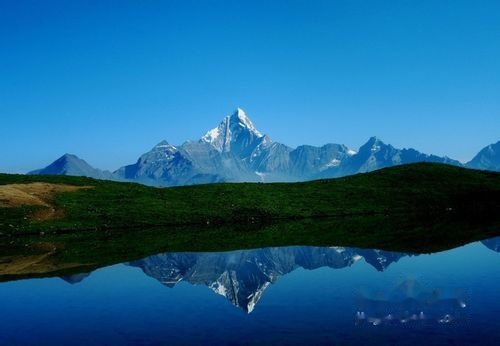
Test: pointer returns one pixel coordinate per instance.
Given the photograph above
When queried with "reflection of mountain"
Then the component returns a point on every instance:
(242, 276)
(492, 244)
(75, 278)
(379, 259)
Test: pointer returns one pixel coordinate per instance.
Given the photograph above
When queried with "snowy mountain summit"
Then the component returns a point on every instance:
(235, 151)
(235, 133)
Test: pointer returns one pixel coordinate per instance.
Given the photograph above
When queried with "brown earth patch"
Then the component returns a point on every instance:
(35, 194)
(32, 265)
(41, 258)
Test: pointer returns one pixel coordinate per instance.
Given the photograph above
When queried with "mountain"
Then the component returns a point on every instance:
(488, 158)
(242, 276)
(75, 278)
(375, 154)
(164, 164)
(236, 151)
(69, 164)
(492, 244)
(235, 134)
(222, 154)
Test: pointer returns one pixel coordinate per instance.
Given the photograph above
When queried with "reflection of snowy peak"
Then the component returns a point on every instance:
(379, 259)
(75, 278)
(243, 276)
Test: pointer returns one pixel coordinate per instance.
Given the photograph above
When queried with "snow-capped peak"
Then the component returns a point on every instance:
(164, 145)
(239, 112)
(230, 129)
(243, 119)
(373, 145)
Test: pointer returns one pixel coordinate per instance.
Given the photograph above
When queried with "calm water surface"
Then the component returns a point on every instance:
(288, 295)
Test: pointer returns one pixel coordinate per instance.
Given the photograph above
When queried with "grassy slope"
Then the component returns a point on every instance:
(418, 188)
(400, 209)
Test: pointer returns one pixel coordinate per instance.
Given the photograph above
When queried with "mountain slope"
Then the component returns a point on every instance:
(309, 161)
(242, 276)
(69, 164)
(222, 154)
(236, 151)
(488, 158)
(375, 154)
(492, 244)
(235, 134)
(163, 165)
(423, 188)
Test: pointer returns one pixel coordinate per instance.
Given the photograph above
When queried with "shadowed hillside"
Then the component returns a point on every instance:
(422, 188)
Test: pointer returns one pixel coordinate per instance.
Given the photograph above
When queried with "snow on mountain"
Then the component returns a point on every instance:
(375, 154)
(236, 151)
(236, 133)
(243, 276)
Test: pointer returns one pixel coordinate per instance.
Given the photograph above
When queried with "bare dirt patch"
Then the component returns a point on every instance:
(35, 194)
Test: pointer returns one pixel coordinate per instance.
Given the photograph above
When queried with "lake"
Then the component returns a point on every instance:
(278, 295)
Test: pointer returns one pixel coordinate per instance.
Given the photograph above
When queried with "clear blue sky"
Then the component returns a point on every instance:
(107, 80)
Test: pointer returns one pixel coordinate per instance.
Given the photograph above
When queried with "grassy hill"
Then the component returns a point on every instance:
(57, 224)
(422, 188)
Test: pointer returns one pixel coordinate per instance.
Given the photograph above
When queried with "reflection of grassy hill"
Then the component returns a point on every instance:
(422, 188)
(61, 254)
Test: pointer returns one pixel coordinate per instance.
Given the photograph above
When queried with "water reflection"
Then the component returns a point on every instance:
(296, 295)
(411, 302)
(243, 276)
(75, 278)
(492, 244)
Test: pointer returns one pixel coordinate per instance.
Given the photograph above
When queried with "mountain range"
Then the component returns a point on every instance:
(236, 151)
(243, 276)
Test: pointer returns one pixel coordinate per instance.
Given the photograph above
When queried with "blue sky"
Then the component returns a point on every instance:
(107, 80)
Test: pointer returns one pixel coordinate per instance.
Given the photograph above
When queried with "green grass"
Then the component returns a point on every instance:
(422, 188)
(414, 208)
